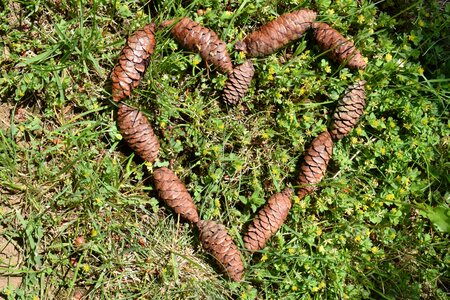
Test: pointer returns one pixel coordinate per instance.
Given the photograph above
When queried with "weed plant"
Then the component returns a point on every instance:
(80, 208)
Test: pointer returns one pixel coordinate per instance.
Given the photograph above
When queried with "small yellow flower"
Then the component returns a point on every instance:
(383, 151)
(86, 268)
(216, 212)
(302, 91)
(389, 197)
(421, 23)
(294, 288)
(420, 70)
(361, 19)
(411, 37)
(374, 249)
(358, 130)
(319, 231)
(321, 249)
(315, 289)
(216, 148)
(327, 69)
(264, 257)
(94, 233)
(197, 59)
(35, 297)
(291, 250)
(358, 238)
(322, 284)
(375, 123)
(388, 57)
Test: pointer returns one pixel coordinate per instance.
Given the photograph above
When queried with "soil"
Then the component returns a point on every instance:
(10, 257)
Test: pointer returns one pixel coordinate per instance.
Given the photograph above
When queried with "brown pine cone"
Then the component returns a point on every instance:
(340, 49)
(133, 61)
(315, 163)
(349, 110)
(238, 83)
(174, 193)
(268, 221)
(195, 37)
(137, 132)
(216, 240)
(277, 33)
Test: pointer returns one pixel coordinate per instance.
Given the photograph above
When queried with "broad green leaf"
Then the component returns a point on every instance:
(439, 216)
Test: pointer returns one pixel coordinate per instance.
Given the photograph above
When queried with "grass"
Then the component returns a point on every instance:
(80, 209)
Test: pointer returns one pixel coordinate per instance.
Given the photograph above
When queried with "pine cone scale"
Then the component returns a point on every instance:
(315, 163)
(173, 192)
(206, 42)
(277, 33)
(219, 243)
(341, 49)
(348, 111)
(137, 132)
(137, 50)
(238, 83)
(268, 220)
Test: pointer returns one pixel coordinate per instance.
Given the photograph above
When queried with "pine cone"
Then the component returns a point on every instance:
(277, 33)
(349, 110)
(238, 83)
(195, 37)
(133, 61)
(174, 194)
(137, 132)
(219, 243)
(315, 163)
(341, 49)
(268, 221)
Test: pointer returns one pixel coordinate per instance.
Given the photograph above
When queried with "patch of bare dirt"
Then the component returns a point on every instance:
(10, 257)
(5, 112)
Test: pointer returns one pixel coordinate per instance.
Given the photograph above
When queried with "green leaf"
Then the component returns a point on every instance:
(439, 216)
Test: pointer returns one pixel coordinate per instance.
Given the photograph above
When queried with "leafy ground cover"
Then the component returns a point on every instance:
(79, 216)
